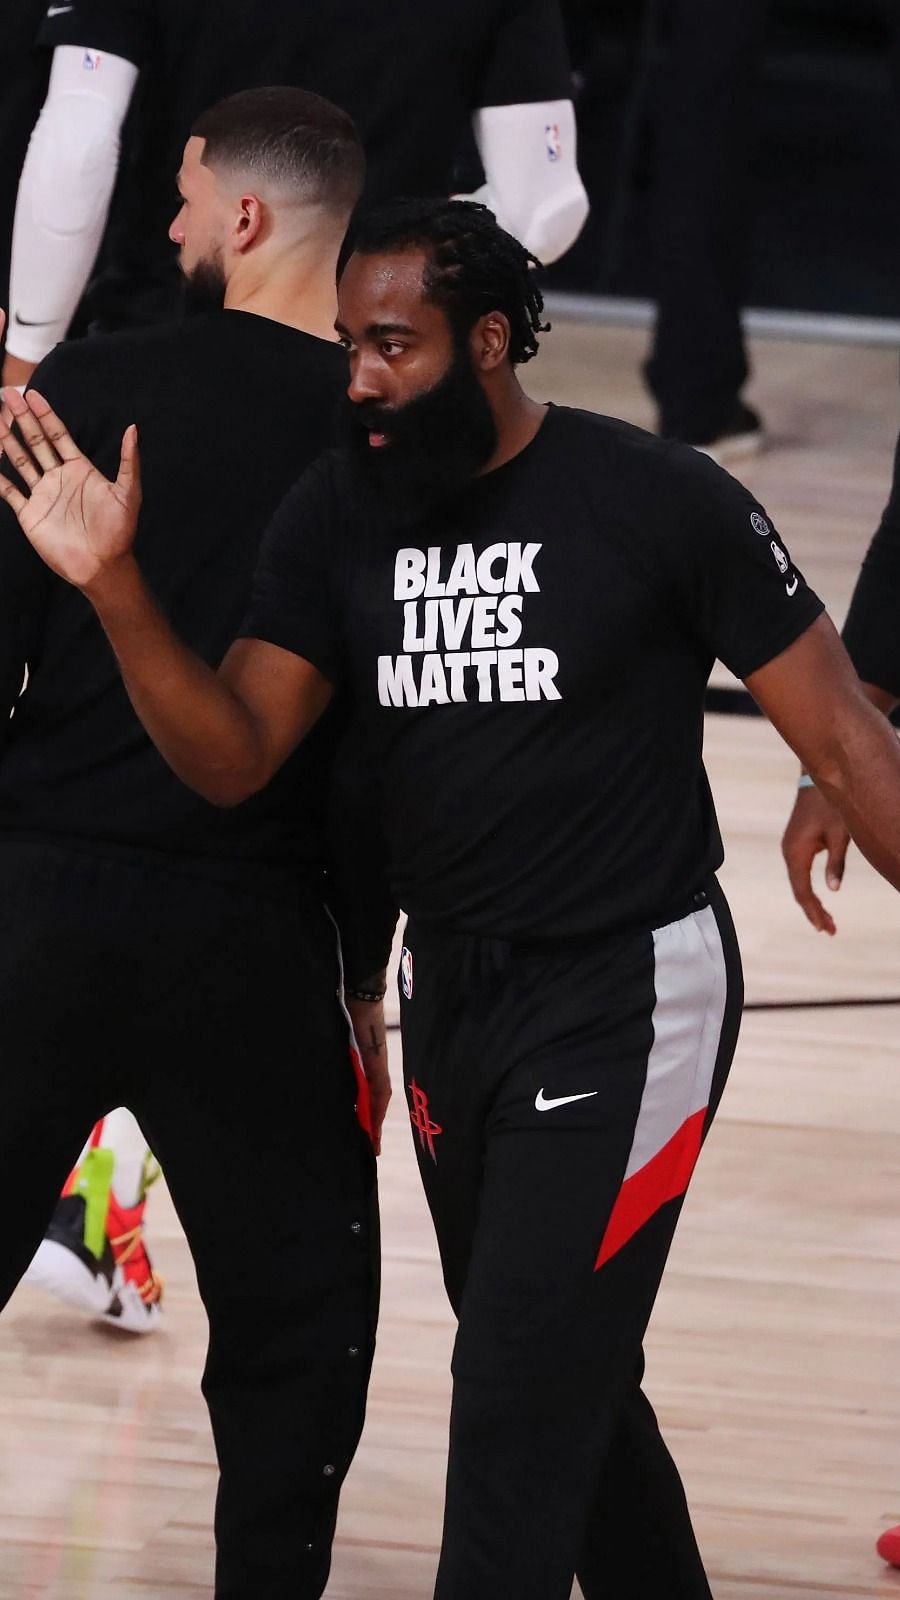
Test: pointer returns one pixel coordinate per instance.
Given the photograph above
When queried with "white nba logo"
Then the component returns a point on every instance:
(406, 972)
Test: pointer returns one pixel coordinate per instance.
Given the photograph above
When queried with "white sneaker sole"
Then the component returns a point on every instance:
(129, 1313)
(58, 1271)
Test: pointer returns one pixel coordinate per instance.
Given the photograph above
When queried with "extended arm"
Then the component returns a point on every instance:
(813, 697)
(872, 637)
(224, 734)
(64, 196)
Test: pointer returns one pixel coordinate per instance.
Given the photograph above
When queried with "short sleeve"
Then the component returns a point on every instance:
(529, 60)
(120, 27)
(729, 566)
(872, 630)
(297, 581)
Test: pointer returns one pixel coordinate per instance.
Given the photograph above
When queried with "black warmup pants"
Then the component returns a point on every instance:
(211, 1012)
(705, 102)
(559, 1098)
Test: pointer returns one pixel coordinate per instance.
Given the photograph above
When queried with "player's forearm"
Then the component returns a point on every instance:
(533, 185)
(64, 194)
(860, 774)
(201, 729)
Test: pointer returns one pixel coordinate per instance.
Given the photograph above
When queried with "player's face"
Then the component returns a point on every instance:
(199, 227)
(421, 422)
(400, 344)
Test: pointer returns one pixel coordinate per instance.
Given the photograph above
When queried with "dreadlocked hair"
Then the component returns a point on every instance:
(473, 267)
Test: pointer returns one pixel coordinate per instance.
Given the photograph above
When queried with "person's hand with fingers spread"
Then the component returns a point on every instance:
(79, 523)
(815, 826)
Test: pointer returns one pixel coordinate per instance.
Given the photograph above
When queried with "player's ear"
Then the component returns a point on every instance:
(249, 222)
(490, 341)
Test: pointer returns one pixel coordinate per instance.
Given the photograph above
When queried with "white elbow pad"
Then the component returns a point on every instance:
(64, 195)
(529, 155)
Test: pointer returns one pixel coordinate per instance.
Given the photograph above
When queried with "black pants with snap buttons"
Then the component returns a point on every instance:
(211, 1011)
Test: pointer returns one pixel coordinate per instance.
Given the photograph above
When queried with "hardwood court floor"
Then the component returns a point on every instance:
(773, 1356)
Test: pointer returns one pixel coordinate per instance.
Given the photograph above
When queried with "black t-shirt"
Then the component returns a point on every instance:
(410, 74)
(872, 630)
(532, 664)
(75, 761)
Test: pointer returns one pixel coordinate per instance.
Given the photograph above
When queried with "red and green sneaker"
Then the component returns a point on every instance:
(94, 1256)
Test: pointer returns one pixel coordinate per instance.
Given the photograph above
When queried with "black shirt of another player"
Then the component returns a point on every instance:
(75, 763)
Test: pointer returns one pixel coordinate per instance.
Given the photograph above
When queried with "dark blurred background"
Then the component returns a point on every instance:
(823, 215)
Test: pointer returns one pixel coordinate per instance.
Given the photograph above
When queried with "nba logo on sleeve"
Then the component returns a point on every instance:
(406, 972)
(554, 142)
(91, 60)
(780, 557)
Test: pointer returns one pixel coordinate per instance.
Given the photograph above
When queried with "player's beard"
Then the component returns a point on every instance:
(438, 442)
(205, 284)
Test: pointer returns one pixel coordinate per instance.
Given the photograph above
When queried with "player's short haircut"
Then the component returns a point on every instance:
(289, 138)
(474, 266)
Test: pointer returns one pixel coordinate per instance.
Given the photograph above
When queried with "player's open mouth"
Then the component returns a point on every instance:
(377, 441)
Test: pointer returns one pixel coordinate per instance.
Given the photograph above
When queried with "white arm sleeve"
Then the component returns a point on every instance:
(64, 195)
(533, 186)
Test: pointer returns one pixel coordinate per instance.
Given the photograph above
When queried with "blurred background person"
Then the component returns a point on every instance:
(705, 129)
(415, 82)
(872, 636)
(125, 81)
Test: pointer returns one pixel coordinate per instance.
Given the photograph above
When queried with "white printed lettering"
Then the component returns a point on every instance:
(455, 620)
(509, 674)
(433, 687)
(409, 574)
(456, 663)
(484, 660)
(433, 584)
(484, 622)
(509, 617)
(520, 569)
(396, 681)
(428, 640)
(490, 615)
(463, 578)
(541, 667)
(487, 583)
(411, 640)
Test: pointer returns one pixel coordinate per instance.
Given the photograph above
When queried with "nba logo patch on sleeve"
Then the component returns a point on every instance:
(91, 61)
(554, 142)
(406, 972)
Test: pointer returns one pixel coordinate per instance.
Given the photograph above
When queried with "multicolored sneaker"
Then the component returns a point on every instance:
(136, 1302)
(93, 1255)
(67, 1267)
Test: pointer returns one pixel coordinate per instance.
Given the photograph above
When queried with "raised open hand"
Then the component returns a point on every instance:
(79, 523)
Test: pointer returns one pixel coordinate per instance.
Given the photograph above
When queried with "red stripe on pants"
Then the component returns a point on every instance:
(665, 1177)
